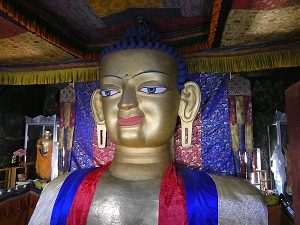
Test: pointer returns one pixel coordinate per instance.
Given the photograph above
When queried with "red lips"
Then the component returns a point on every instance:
(130, 121)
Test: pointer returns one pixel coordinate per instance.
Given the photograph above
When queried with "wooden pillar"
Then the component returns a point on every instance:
(292, 98)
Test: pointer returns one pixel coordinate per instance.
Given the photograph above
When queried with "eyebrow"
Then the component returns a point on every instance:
(143, 72)
(150, 71)
(109, 75)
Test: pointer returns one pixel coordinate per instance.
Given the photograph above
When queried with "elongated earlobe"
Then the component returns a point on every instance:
(97, 109)
(188, 108)
(101, 135)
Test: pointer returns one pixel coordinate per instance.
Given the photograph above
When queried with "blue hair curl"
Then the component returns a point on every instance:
(144, 35)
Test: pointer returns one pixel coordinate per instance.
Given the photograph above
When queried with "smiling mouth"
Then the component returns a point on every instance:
(130, 121)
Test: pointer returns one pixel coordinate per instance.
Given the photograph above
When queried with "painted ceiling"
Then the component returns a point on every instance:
(67, 33)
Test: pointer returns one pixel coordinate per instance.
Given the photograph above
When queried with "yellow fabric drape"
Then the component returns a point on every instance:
(50, 77)
(195, 64)
(243, 63)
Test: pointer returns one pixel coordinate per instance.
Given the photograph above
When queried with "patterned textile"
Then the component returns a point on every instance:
(171, 3)
(241, 124)
(239, 86)
(191, 8)
(67, 117)
(102, 156)
(18, 46)
(192, 29)
(215, 140)
(245, 58)
(211, 150)
(190, 156)
(27, 48)
(77, 14)
(82, 155)
(91, 31)
(271, 4)
(261, 4)
(106, 7)
(9, 29)
(246, 26)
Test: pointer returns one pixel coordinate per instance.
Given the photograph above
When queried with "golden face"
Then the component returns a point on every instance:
(139, 96)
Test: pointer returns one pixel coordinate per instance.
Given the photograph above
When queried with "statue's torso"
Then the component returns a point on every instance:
(121, 202)
(45, 147)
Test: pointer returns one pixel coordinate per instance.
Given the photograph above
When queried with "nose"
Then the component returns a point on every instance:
(128, 99)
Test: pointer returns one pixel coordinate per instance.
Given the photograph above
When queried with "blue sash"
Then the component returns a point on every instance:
(200, 192)
(66, 195)
(201, 197)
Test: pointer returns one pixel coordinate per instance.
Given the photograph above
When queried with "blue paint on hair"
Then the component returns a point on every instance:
(144, 35)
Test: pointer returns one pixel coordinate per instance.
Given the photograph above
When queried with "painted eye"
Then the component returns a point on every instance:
(153, 90)
(109, 92)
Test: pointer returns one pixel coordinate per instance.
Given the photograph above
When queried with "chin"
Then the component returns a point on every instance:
(131, 137)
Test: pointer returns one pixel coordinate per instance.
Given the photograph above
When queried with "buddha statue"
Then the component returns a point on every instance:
(140, 98)
(43, 156)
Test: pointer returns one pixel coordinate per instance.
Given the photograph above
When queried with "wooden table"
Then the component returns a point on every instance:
(18, 209)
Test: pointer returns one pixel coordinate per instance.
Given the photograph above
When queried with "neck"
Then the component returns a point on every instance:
(134, 163)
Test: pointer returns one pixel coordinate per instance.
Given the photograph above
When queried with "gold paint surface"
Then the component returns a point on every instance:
(128, 72)
(139, 85)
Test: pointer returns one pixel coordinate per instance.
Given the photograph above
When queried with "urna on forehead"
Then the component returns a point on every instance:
(132, 61)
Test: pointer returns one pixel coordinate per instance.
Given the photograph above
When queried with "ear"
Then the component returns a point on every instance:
(97, 108)
(188, 108)
(190, 100)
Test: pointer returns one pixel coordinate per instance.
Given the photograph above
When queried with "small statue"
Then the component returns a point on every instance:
(45, 143)
(43, 158)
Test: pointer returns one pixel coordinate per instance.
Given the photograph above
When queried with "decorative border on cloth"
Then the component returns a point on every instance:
(20, 14)
(23, 16)
(200, 63)
(213, 62)
(212, 32)
(49, 77)
(225, 60)
(243, 61)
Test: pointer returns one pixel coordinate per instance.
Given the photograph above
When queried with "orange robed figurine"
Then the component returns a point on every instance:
(43, 156)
